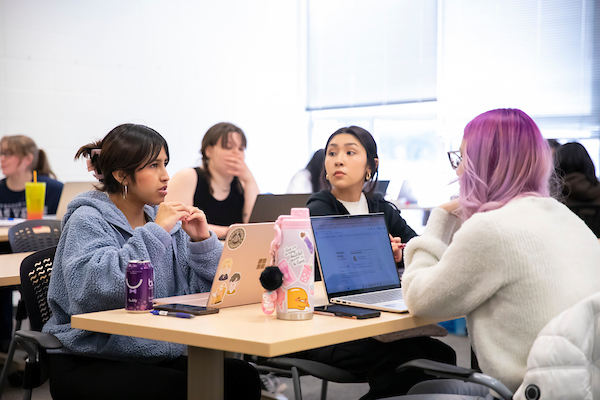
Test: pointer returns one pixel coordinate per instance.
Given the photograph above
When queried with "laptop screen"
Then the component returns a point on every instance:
(355, 253)
(270, 206)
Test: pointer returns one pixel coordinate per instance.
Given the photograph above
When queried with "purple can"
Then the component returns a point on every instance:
(139, 278)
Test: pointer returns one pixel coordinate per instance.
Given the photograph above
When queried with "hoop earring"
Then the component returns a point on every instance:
(124, 192)
(368, 177)
(327, 176)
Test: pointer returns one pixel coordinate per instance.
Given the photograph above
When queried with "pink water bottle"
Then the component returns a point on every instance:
(295, 255)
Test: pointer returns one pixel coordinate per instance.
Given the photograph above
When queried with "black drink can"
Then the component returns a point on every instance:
(139, 279)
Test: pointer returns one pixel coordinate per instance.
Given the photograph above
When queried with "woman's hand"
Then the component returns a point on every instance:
(236, 166)
(196, 225)
(397, 247)
(451, 206)
(169, 212)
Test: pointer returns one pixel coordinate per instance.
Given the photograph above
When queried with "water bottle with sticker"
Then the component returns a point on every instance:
(294, 253)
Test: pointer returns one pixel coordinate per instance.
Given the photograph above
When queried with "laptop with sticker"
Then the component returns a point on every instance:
(356, 261)
(246, 252)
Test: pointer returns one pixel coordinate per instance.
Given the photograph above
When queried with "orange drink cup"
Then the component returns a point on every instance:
(35, 195)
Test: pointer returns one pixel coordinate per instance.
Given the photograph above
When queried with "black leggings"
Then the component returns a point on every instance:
(78, 377)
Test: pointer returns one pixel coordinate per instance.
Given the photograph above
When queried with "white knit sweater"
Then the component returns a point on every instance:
(510, 271)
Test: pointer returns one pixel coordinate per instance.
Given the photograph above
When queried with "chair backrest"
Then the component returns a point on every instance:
(590, 214)
(34, 235)
(35, 279)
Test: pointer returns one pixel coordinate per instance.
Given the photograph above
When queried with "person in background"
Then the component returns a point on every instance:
(128, 219)
(309, 179)
(19, 157)
(351, 160)
(224, 188)
(351, 170)
(505, 254)
(554, 145)
(577, 170)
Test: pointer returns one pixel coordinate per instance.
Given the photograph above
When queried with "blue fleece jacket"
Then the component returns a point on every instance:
(88, 274)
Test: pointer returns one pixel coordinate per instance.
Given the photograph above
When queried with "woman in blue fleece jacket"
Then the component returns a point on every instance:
(127, 219)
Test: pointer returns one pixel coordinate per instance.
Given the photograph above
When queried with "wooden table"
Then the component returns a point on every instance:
(10, 264)
(4, 233)
(243, 329)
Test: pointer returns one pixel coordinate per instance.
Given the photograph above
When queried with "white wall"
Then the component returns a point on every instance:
(72, 70)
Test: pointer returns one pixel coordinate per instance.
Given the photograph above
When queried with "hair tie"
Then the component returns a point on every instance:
(91, 167)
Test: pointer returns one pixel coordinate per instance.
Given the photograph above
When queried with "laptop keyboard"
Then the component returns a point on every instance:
(383, 296)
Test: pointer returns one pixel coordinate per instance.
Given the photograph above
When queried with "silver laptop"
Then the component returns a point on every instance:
(356, 261)
(70, 190)
(407, 193)
(270, 206)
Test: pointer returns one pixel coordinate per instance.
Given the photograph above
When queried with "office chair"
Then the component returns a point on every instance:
(35, 279)
(590, 214)
(26, 237)
(296, 367)
(564, 353)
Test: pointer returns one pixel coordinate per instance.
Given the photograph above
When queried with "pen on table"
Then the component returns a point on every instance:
(172, 314)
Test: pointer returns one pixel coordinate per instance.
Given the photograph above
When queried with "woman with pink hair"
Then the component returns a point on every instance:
(505, 254)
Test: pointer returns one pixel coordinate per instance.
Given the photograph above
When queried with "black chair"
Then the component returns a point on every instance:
(35, 278)
(296, 367)
(590, 214)
(32, 235)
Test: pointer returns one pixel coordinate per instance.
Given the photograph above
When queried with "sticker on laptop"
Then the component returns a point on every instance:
(236, 238)
(225, 269)
(217, 297)
(234, 281)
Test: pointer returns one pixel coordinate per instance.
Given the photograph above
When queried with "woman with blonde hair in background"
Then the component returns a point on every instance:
(19, 157)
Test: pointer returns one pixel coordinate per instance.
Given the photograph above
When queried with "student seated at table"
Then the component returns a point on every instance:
(19, 157)
(505, 254)
(127, 219)
(224, 188)
(351, 170)
(351, 160)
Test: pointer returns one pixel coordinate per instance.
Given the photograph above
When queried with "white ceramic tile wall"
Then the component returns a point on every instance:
(70, 71)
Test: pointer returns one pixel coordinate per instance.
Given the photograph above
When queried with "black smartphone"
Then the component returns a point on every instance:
(186, 308)
(347, 311)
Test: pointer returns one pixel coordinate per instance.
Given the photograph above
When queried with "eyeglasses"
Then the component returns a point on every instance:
(455, 158)
(6, 153)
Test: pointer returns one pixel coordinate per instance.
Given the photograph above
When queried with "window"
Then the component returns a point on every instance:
(364, 53)
(414, 73)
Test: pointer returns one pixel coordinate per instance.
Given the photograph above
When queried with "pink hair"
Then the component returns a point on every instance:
(504, 157)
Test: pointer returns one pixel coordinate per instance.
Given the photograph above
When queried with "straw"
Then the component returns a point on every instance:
(34, 175)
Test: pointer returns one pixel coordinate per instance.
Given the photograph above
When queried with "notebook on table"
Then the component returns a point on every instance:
(245, 256)
(270, 206)
(357, 263)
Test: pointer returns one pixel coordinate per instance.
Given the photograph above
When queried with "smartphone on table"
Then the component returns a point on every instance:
(347, 311)
(186, 308)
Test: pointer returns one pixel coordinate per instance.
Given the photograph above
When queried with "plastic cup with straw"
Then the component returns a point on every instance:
(35, 195)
